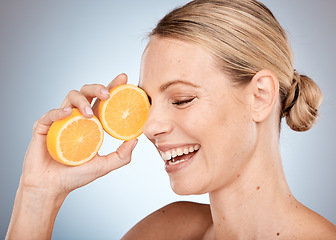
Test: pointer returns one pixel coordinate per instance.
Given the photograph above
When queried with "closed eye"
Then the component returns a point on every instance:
(181, 102)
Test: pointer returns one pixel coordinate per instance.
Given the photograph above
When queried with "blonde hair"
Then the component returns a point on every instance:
(245, 37)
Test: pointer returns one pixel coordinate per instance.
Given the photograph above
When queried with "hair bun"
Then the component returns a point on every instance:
(302, 103)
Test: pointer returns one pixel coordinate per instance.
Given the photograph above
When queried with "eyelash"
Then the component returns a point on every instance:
(182, 102)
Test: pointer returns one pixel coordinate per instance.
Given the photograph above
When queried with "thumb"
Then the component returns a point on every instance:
(121, 157)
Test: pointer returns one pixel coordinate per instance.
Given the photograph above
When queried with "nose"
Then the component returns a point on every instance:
(157, 125)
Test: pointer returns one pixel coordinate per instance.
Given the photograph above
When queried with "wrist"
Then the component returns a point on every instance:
(40, 190)
(40, 197)
(34, 213)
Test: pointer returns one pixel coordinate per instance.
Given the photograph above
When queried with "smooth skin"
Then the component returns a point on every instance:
(237, 127)
(238, 163)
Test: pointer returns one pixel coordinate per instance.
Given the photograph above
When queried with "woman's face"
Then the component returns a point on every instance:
(200, 123)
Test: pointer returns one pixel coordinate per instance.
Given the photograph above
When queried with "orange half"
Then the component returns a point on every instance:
(75, 140)
(124, 114)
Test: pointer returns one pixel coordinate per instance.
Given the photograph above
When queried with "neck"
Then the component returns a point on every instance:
(256, 203)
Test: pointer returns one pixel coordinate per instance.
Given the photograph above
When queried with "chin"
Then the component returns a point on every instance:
(184, 188)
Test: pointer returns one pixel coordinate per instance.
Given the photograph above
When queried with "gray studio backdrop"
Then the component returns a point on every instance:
(48, 48)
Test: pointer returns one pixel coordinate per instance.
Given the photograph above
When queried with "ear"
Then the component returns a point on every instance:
(265, 87)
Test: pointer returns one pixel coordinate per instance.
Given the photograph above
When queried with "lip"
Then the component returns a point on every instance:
(166, 147)
(178, 166)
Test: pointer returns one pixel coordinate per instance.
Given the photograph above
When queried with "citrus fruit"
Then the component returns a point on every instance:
(75, 140)
(125, 112)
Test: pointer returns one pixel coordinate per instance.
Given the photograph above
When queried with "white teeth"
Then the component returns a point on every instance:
(170, 155)
(166, 156)
(174, 154)
(176, 162)
(179, 152)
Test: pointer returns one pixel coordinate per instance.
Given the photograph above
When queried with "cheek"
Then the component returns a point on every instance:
(224, 142)
(228, 142)
(192, 121)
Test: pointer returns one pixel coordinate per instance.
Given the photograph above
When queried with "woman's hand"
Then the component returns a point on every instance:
(46, 182)
(41, 171)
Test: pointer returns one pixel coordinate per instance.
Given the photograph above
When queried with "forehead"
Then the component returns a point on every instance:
(167, 59)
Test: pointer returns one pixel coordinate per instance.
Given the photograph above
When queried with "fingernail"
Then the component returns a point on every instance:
(66, 109)
(88, 110)
(104, 91)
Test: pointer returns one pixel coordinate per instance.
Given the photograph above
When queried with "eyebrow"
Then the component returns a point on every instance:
(171, 83)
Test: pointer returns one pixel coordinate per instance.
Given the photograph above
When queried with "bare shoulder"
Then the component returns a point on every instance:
(322, 228)
(178, 220)
(313, 226)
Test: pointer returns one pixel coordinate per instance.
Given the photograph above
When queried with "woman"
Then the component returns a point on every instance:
(220, 76)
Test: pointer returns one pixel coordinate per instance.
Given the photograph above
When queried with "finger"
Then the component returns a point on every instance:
(105, 164)
(78, 100)
(95, 90)
(66, 103)
(42, 125)
(119, 80)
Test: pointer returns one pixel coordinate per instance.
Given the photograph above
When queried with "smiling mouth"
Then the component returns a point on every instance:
(179, 155)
